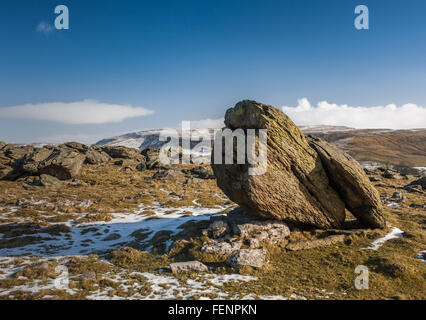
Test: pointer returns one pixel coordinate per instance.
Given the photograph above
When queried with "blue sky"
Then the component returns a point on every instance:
(191, 60)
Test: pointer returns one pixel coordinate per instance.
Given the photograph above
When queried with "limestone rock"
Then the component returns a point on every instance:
(351, 182)
(295, 186)
(152, 157)
(48, 181)
(31, 161)
(327, 241)
(247, 257)
(307, 180)
(96, 156)
(267, 231)
(167, 174)
(221, 248)
(218, 229)
(192, 266)
(123, 152)
(202, 172)
(63, 163)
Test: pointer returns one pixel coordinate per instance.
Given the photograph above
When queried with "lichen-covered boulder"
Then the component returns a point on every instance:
(306, 180)
(351, 182)
(295, 186)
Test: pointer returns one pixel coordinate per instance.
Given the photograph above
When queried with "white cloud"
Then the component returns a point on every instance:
(44, 28)
(407, 116)
(79, 112)
(208, 123)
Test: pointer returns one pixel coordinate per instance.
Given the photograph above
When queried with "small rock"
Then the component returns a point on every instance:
(390, 174)
(202, 172)
(221, 248)
(247, 257)
(194, 266)
(88, 275)
(420, 182)
(303, 245)
(118, 163)
(47, 181)
(218, 229)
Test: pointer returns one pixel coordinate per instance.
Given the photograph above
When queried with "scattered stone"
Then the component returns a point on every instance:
(391, 174)
(167, 174)
(123, 152)
(90, 275)
(218, 229)
(398, 196)
(202, 172)
(221, 248)
(118, 162)
(247, 257)
(420, 182)
(48, 181)
(304, 245)
(246, 226)
(375, 178)
(188, 266)
(418, 206)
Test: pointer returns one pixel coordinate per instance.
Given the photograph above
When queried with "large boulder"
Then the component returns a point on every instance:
(16, 152)
(2, 145)
(123, 152)
(294, 187)
(351, 182)
(63, 163)
(95, 155)
(300, 184)
(31, 161)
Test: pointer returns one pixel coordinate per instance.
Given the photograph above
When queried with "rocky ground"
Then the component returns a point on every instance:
(120, 226)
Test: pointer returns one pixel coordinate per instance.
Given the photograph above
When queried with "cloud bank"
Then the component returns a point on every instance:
(407, 116)
(79, 112)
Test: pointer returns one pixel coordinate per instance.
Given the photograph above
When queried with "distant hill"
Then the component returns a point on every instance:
(386, 146)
